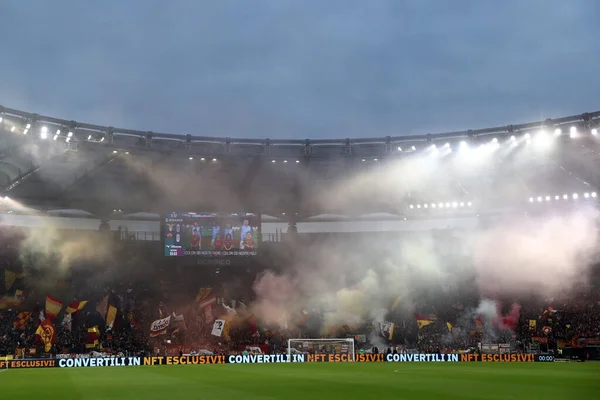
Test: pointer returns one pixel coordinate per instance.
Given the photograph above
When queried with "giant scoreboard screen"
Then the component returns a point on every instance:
(210, 234)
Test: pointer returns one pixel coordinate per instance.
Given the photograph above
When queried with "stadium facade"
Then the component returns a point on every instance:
(86, 173)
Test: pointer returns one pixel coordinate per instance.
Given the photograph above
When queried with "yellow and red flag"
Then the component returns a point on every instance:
(21, 320)
(53, 307)
(423, 320)
(76, 306)
(46, 334)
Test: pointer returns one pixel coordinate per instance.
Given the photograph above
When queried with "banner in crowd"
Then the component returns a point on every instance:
(83, 362)
(159, 327)
(218, 327)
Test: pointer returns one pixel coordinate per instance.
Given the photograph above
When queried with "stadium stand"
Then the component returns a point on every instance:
(69, 236)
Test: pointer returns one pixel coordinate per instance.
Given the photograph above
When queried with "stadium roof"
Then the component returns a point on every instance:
(61, 164)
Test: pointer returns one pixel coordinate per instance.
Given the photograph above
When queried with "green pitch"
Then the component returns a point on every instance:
(309, 381)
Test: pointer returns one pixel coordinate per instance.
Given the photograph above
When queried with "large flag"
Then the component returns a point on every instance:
(423, 320)
(76, 306)
(92, 338)
(387, 329)
(53, 307)
(46, 334)
(21, 320)
(111, 315)
(159, 327)
(218, 327)
(102, 307)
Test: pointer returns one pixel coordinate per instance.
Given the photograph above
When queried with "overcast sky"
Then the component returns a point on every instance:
(301, 69)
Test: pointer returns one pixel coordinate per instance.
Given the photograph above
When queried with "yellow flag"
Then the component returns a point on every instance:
(110, 317)
(9, 278)
(532, 324)
(449, 325)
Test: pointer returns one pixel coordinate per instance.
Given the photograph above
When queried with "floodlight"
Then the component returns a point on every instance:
(557, 132)
(433, 205)
(214, 160)
(547, 198)
(573, 132)
(425, 205)
(539, 199)
(447, 205)
(399, 148)
(595, 132)
(513, 138)
(90, 137)
(273, 161)
(297, 161)
(527, 136)
(556, 197)
(70, 134)
(202, 159)
(114, 152)
(594, 194)
(285, 161)
(12, 129)
(575, 196)
(441, 205)
(586, 195)
(531, 199)
(411, 206)
(25, 131)
(375, 159)
(469, 204)
(565, 197)
(68, 139)
(462, 204)
(418, 206)
(28, 126)
(413, 148)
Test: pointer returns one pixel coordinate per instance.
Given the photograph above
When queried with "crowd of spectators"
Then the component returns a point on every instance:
(144, 289)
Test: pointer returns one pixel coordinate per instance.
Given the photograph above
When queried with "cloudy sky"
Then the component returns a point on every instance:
(301, 68)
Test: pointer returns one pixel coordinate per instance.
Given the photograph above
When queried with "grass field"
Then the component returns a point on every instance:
(309, 381)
